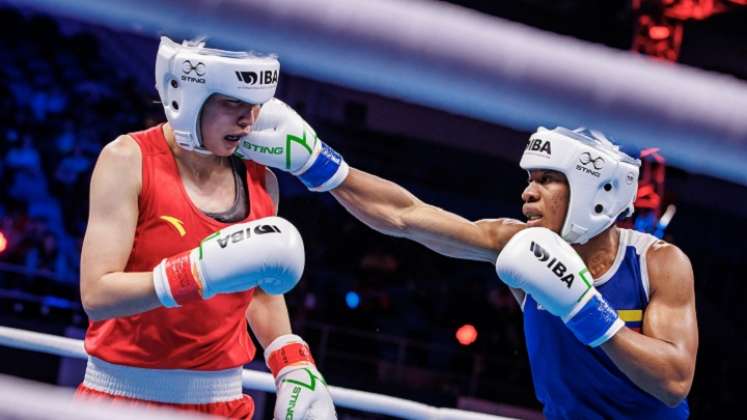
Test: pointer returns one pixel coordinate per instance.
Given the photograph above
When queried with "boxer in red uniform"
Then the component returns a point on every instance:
(183, 250)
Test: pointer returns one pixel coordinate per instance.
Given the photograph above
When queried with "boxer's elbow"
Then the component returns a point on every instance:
(92, 305)
(678, 381)
(671, 388)
(675, 392)
(94, 301)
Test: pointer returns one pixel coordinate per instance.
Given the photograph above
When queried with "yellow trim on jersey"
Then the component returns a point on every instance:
(630, 315)
(176, 223)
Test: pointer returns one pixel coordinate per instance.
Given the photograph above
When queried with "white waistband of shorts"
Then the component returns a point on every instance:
(176, 386)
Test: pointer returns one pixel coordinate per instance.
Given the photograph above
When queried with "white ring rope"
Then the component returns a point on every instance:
(251, 379)
(464, 62)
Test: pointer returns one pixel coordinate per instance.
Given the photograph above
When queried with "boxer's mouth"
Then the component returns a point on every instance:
(534, 218)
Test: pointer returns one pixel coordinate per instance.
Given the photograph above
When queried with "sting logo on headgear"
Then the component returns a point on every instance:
(597, 163)
(539, 146)
(587, 160)
(198, 69)
(266, 77)
(557, 267)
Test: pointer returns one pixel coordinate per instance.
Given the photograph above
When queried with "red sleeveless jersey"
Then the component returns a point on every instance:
(203, 335)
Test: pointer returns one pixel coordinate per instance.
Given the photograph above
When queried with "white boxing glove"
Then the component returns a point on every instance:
(540, 262)
(266, 252)
(302, 393)
(281, 139)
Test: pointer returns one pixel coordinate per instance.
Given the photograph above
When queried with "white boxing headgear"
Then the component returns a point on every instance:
(603, 180)
(187, 74)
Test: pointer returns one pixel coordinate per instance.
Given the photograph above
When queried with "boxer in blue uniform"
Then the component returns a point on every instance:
(609, 313)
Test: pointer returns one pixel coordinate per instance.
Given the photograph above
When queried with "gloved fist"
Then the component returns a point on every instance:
(281, 139)
(302, 393)
(266, 252)
(540, 262)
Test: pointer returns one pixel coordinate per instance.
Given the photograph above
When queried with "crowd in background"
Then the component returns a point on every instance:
(57, 106)
(61, 100)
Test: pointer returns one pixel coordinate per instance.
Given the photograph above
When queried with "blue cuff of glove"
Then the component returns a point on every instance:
(327, 172)
(596, 322)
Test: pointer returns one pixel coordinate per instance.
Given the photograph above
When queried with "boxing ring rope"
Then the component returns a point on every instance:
(464, 62)
(262, 381)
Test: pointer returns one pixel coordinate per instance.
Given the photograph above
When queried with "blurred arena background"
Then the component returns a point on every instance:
(411, 323)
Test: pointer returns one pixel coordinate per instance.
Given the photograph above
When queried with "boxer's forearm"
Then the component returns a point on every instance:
(392, 210)
(268, 317)
(377, 202)
(119, 294)
(658, 367)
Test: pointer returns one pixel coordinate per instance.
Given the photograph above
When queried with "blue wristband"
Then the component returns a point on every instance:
(593, 321)
(324, 167)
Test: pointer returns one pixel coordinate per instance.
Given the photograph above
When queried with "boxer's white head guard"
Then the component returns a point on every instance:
(603, 180)
(187, 74)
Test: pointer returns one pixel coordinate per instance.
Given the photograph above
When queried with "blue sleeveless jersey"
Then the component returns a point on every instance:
(574, 381)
